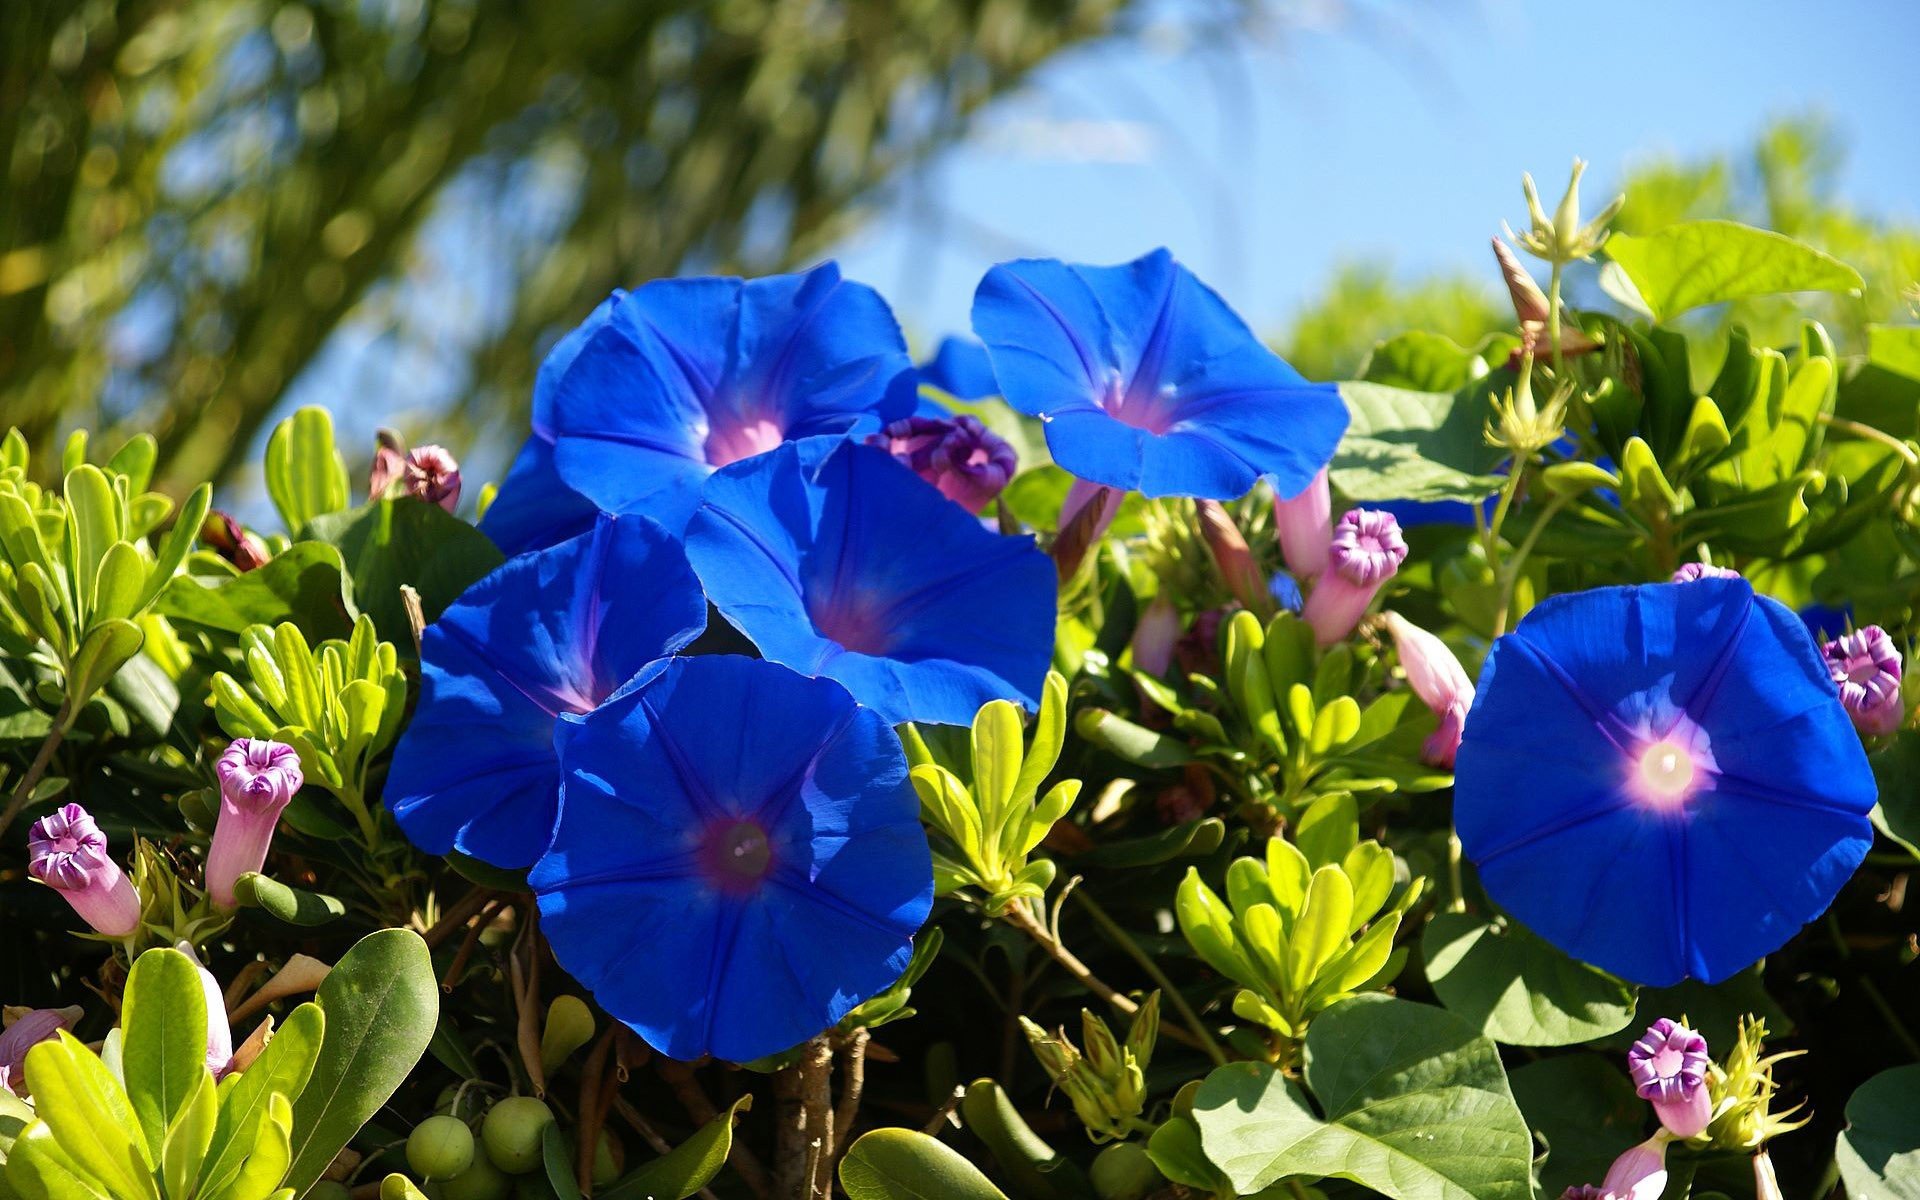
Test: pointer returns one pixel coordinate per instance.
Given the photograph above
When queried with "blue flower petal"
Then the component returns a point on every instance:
(961, 369)
(1149, 381)
(534, 509)
(1551, 807)
(700, 961)
(545, 635)
(838, 561)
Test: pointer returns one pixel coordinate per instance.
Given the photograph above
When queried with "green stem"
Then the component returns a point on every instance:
(62, 722)
(1455, 880)
(1553, 319)
(1121, 938)
(1510, 570)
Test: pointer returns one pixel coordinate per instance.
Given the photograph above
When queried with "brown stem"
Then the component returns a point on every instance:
(526, 998)
(853, 1081)
(457, 915)
(38, 768)
(803, 1115)
(1022, 919)
(468, 944)
(817, 1099)
(593, 1103)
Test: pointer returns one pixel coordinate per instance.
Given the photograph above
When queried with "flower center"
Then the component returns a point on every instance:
(738, 855)
(729, 441)
(1667, 1063)
(1666, 769)
(857, 624)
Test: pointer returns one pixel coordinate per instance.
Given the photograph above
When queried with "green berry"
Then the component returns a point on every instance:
(1124, 1172)
(481, 1181)
(440, 1148)
(512, 1132)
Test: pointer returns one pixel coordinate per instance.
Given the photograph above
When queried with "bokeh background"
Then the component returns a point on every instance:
(214, 210)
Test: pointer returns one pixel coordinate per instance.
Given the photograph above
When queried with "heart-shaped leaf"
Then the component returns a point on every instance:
(1694, 263)
(1879, 1154)
(1518, 989)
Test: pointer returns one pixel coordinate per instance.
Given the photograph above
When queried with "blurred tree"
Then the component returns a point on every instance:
(198, 192)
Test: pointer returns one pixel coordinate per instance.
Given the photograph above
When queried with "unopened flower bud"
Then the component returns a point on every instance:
(389, 461)
(1437, 677)
(968, 462)
(1640, 1173)
(67, 852)
(27, 1030)
(1669, 1067)
(1532, 312)
(257, 780)
(226, 537)
(219, 1029)
(1084, 516)
(1231, 554)
(1304, 525)
(1866, 668)
(1693, 572)
(1766, 1185)
(1367, 550)
(432, 475)
(1155, 635)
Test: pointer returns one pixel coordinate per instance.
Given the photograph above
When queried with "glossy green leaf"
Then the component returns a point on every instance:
(184, 1147)
(164, 1054)
(381, 1001)
(686, 1168)
(1424, 362)
(1416, 1107)
(305, 475)
(37, 1168)
(174, 548)
(556, 1163)
(1136, 744)
(1411, 445)
(1584, 1110)
(103, 651)
(1879, 1152)
(282, 1070)
(93, 525)
(903, 1164)
(404, 541)
(1694, 263)
(305, 584)
(289, 904)
(91, 1117)
(268, 1157)
(1516, 988)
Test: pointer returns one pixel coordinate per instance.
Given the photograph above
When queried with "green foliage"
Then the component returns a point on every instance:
(1415, 445)
(167, 1132)
(1696, 263)
(1585, 1111)
(686, 1168)
(1879, 1153)
(306, 477)
(1518, 989)
(1412, 1103)
(900, 1164)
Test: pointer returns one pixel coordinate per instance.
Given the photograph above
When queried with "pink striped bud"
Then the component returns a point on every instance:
(257, 780)
(1437, 677)
(1244, 579)
(1669, 1069)
(1154, 637)
(968, 462)
(1304, 525)
(1866, 668)
(219, 1029)
(67, 852)
(1367, 551)
(29, 1029)
(1640, 1173)
(432, 475)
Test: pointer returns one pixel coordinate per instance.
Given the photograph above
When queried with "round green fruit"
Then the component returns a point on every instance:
(481, 1181)
(440, 1148)
(1124, 1172)
(511, 1133)
(328, 1189)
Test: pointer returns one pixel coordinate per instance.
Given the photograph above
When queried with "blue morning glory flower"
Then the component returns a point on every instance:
(1661, 779)
(739, 859)
(1148, 381)
(961, 369)
(539, 641)
(837, 560)
(667, 383)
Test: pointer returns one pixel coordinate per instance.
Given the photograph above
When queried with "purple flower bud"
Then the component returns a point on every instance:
(1154, 637)
(1640, 1173)
(1304, 525)
(67, 852)
(968, 462)
(257, 780)
(1075, 535)
(1693, 572)
(219, 1029)
(431, 474)
(1367, 550)
(227, 538)
(1669, 1069)
(1437, 677)
(1245, 581)
(28, 1030)
(1865, 666)
(389, 460)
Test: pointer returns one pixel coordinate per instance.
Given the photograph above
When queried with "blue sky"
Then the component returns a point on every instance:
(1390, 130)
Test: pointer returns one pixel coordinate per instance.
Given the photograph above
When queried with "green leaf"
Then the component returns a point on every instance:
(1897, 769)
(1416, 1107)
(185, 1146)
(306, 477)
(405, 541)
(165, 1051)
(77, 1096)
(903, 1164)
(1424, 362)
(1895, 347)
(1879, 1152)
(381, 1001)
(282, 1070)
(268, 1157)
(38, 1169)
(289, 904)
(555, 1162)
(1136, 744)
(173, 550)
(104, 650)
(1408, 445)
(1585, 1110)
(686, 1168)
(93, 524)
(1695, 263)
(1516, 988)
(305, 584)
(1188, 840)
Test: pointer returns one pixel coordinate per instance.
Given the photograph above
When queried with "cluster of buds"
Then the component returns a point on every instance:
(1107, 1081)
(1866, 668)
(1562, 238)
(426, 473)
(1440, 682)
(968, 462)
(25, 1029)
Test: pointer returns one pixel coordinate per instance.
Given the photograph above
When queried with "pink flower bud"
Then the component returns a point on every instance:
(1693, 572)
(431, 474)
(389, 461)
(1866, 668)
(28, 1030)
(257, 780)
(1584, 1191)
(67, 852)
(1304, 525)
(1437, 677)
(227, 538)
(1367, 550)
(1766, 1185)
(219, 1029)
(1244, 578)
(1669, 1069)
(968, 462)
(1640, 1173)
(1154, 637)
(1077, 497)
(1077, 530)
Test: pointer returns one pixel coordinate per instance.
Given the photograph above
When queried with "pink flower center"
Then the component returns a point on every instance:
(857, 624)
(1667, 1062)
(1150, 411)
(729, 441)
(737, 856)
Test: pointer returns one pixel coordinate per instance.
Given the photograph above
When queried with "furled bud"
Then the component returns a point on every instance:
(1155, 635)
(1231, 554)
(1532, 311)
(1437, 677)
(67, 852)
(1866, 668)
(257, 780)
(389, 460)
(1084, 516)
(1766, 1185)
(1693, 572)
(1367, 550)
(27, 1028)
(1304, 525)
(1669, 1066)
(226, 537)
(432, 475)
(219, 1029)
(1640, 1173)
(1106, 1084)
(968, 462)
